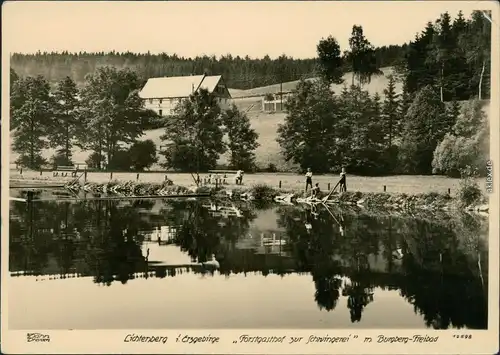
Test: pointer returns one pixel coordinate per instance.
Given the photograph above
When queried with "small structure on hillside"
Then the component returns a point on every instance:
(275, 102)
(163, 94)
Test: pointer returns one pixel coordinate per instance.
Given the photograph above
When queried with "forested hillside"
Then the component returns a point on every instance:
(240, 73)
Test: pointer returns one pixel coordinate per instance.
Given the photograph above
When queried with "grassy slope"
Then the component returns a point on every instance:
(264, 124)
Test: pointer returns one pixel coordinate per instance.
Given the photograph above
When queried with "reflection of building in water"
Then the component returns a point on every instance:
(268, 242)
(162, 235)
(224, 211)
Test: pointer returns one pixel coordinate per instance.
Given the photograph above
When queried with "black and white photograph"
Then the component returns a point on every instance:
(263, 165)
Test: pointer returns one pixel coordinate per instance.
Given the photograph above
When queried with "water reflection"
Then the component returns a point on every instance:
(438, 265)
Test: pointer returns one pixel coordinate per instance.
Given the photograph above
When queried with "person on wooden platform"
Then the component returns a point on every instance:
(315, 191)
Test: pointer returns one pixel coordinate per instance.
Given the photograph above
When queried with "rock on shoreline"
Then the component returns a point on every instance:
(372, 200)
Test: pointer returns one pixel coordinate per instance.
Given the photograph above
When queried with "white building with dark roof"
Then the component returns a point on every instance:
(162, 95)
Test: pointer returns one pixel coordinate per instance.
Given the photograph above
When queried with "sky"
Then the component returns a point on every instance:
(191, 28)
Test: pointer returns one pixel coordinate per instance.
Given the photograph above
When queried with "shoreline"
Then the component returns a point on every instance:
(431, 201)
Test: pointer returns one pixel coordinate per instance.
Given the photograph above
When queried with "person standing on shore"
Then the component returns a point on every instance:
(309, 175)
(343, 182)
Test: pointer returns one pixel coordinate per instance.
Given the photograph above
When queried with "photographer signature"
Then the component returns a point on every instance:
(37, 337)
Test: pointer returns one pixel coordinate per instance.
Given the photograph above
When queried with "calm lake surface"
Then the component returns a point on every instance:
(148, 264)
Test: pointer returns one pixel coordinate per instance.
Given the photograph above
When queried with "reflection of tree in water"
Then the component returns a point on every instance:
(313, 249)
(31, 236)
(442, 270)
(117, 254)
(201, 233)
(95, 237)
(327, 285)
(435, 272)
(441, 282)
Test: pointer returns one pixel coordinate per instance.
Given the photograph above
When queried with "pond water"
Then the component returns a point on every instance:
(103, 264)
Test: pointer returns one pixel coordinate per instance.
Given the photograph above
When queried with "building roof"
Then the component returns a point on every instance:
(177, 86)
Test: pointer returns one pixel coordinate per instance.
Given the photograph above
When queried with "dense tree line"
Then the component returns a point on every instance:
(413, 132)
(371, 136)
(239, 72)
(453, 55)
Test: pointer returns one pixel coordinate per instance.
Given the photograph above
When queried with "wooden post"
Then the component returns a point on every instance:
(280, 184)
(111, 176)
(328, 186)
(385, 188)
(85, 176)
(449, 191)
(137, 177)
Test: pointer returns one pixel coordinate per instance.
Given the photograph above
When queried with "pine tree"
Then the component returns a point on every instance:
(390, 112)
(476, 42)
(419, 70)
(442, 49)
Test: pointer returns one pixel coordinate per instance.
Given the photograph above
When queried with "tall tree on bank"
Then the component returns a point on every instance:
(390, 112)
(363, 141)
(362, 57)
(31, 119)
(66, 119)
(307, 135)
(418, 71)
(477, 44)
(194, 135)
(442, 48)
(111, 111)
(425, 125)
(330, 60)
(242, 139)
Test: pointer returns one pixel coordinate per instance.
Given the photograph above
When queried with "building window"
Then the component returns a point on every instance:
(160, 112)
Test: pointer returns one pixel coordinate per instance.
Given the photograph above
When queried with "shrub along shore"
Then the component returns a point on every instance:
(265, 193)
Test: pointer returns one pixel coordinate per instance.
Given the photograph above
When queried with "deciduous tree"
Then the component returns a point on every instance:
(362, 57)
(330, 60)
(142, 154)
(66, 119)
(111, 111)
(31, 117)
(194, 136)
(307, 137)
(242, 139)
(425, 125)
(467, 145)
